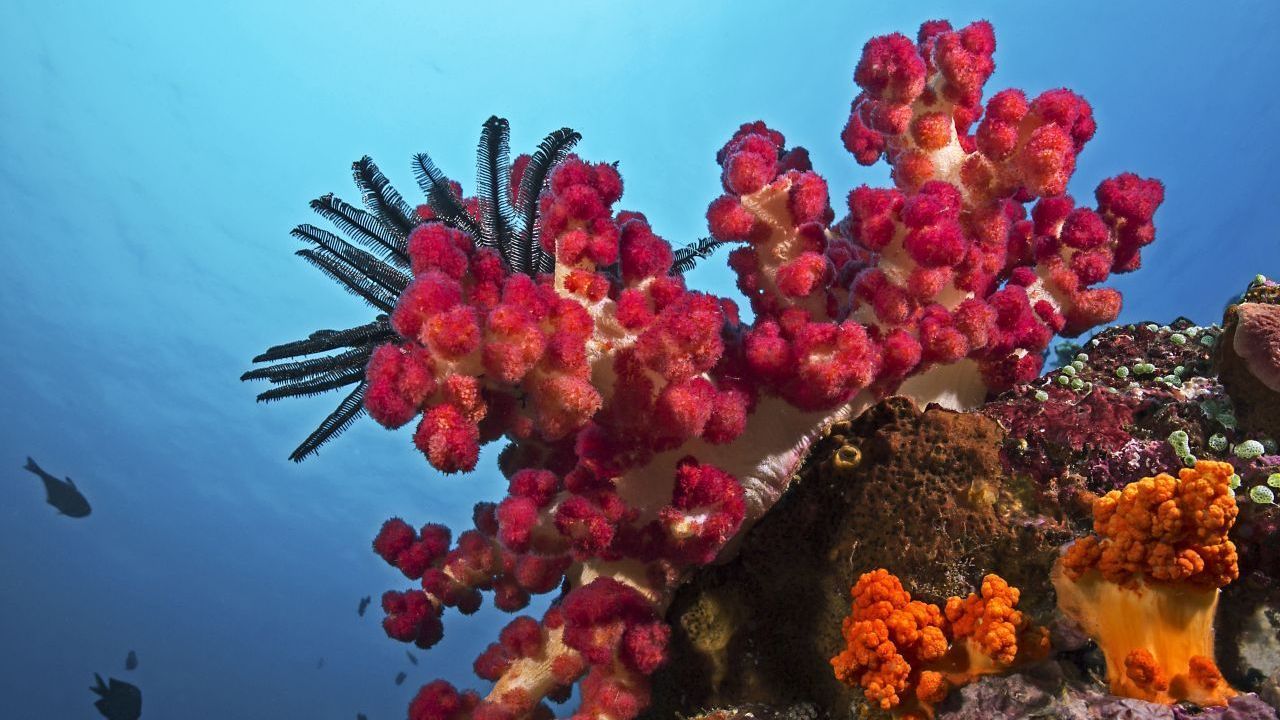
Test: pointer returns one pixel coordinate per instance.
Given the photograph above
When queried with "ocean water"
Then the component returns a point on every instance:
(153, 157)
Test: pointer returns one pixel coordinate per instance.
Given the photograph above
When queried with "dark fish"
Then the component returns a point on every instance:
(400, 676)
(119, 700)
(131, 662)
(412, 659)
(361, 716)
(63, 495)
(320, 664)
(364, 605)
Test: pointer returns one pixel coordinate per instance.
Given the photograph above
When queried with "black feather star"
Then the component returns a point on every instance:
(372, 262)
(689, 255)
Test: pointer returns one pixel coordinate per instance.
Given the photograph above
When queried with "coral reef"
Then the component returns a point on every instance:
(928, 498)
(1249, 356)
(649, 427)
(867, 499)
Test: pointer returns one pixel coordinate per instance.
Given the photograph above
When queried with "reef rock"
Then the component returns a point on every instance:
(923, 493)
(1052, 690)
(939, 498)
(1249, 357)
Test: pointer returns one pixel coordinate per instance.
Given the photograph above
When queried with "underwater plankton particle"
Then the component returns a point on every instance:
(1145, 586)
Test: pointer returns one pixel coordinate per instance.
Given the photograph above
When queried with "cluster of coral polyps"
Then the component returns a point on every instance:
(1146, 585)
(907, 654)
(649, 425)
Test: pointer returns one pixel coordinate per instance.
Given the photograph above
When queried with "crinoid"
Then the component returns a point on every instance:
(500, 216)
(372, 261)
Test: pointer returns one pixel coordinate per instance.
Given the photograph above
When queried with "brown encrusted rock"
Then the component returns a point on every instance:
(923, 494)
(761, 712)
(1248, 358)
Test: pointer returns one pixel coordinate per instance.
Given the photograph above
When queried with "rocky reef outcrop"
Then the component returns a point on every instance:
(942, 497)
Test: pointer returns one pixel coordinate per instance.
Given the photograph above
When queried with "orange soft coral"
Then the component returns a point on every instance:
(907, 655)
(991, 625)
(1162, 528)
(1146, 585)
(887, 635)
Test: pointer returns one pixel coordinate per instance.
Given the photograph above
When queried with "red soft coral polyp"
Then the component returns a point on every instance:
(685, 338)
(706, 510)
(746, 172)
(425, 297)
(728, 416)
(513, 343)
(642, 253)
(728, 219)
(1068, 111)
(807, 198)
(454, 332)
(1084, 229)
(599, 615)
(564, 404)
(436, 246)
(586, 525)
(873, 211)
(400, 379)
(1130, 197)
(394, 538)
(891, 69)
(964, 60)
(448, 439)
(438, 700)
(516, 518)
(802, 276)
(998, 133)
(683, 408)
(411, 617)
(1047, 160)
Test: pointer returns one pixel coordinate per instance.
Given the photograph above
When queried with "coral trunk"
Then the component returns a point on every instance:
(1158, 639)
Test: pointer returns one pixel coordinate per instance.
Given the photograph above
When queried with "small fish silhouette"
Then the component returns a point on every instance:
(400, 676)
(364, 605)
(63, 495)
(412, 659)
(119, 700)
(320, 664)
(361, 716)
(131, 662)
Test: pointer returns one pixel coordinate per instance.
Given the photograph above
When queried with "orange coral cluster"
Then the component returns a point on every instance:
(1163, 528)
(887, 636)
(1146, 585)
(907, 654)
(991, 621)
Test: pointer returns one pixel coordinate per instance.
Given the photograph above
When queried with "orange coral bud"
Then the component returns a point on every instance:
(1204, 672)
(932, 688)
(1140, 667)
(989, 619)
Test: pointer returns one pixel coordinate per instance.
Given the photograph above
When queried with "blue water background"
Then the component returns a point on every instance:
(154, 155)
